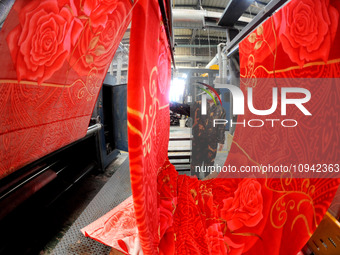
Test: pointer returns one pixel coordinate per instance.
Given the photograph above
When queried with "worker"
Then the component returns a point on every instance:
(206, 138)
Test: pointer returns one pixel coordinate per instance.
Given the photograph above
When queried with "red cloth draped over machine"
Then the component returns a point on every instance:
(57, 54)
(49, 89)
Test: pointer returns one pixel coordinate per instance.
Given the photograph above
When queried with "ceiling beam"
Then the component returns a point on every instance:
(198, 4)
(234, 11)
(206, 7)
(272, 6)
(203, 6)
(260, 2)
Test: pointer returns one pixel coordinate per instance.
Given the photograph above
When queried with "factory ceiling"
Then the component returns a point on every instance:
(196, 38)
(200, 25)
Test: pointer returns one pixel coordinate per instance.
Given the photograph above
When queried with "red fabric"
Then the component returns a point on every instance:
(148, 134)
(55, 55)
(117, 228)
(148, 116)
(273, 216)
(182, 215)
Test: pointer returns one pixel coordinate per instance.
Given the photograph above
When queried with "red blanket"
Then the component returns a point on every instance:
(55, 55)
(182, 215)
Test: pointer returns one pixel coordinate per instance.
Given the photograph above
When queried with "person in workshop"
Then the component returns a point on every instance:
(206, 138)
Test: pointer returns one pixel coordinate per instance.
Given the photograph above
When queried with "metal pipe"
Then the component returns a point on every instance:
(224, 66)
(94, 128)
(219, 57)
(226, 62)
(228, 36)
(119, 68)
(189, 18)
(232, 51)
(17, 186)
(212, 62)
(111, 68)
(166, 25)
(171, 22)
(19, 195)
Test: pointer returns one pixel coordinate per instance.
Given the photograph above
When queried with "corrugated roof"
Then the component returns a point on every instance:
(185, 2)
(206, 4)
(212, 32)
(215, 3)
(182, 31)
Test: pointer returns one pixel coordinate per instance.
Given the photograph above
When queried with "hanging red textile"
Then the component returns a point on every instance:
(148, 116)
(297, 47)
(182, 215)
(55, 55)
(148, 135)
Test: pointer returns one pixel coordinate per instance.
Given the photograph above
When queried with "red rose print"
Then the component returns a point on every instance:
(163, 64)
(216, 240)
(307, 29)
(245, 209)
(234, 248)
(220, 244)
(260, 43)
(98, 10)
(97, 46)
(41, 42)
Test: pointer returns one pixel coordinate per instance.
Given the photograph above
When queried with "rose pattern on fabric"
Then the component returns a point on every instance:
(40, 44)
(163, 61)
(97, 10)
(94, 47)
(242, 202)
(233, 248)
(307, 29)
(220, 244)
(245, 208)
(216, 239)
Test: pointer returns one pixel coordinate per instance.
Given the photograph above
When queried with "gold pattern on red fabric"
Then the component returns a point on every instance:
(148, 116)
(55, 56)
(177, 214)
